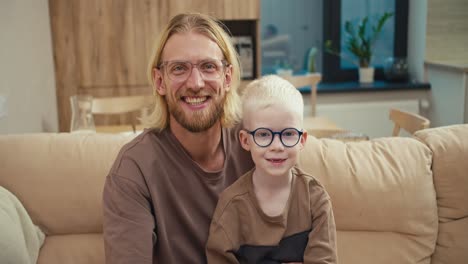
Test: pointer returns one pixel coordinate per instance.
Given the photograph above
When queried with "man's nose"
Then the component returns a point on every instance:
(195, 79)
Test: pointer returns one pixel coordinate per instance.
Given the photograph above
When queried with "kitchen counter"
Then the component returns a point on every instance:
(448, 65)
(377, 86)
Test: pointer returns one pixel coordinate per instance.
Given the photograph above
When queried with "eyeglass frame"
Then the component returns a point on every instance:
(273, 133)
(224, 64)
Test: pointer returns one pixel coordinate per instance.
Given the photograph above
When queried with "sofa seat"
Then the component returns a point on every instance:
(73, 248)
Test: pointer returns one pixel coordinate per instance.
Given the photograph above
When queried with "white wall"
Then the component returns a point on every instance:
(26, 68)
(417, 20)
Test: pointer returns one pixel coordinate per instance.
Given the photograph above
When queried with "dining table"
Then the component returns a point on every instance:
(323, 127)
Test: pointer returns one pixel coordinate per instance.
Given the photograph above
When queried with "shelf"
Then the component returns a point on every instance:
(377, 86)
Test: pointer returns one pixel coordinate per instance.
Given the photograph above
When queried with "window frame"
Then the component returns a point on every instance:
(331, 64)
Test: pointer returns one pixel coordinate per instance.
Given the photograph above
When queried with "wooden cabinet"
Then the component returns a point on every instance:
(102, 47)
(112, 39)
(222, 9)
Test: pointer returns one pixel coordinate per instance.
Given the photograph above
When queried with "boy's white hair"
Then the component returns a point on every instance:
(269, 90)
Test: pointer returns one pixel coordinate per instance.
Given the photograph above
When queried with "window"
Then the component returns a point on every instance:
(289, 30)
(392, 41)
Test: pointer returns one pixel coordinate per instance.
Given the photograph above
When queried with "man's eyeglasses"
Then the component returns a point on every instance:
(263, 137)
(179, 71)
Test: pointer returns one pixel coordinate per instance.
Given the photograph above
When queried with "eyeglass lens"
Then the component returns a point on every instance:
(181, 70)
(263, 137)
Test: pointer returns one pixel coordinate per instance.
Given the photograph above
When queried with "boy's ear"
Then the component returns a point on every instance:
(303, 139)
(244, 140)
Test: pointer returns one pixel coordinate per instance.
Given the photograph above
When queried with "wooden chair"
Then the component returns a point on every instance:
(122, 105)
(410, 122)
(311, 79)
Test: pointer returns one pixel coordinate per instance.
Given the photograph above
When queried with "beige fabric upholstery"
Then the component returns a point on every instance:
(72, 249)
(59, 179)
(396, 200)
(383, 197)
(450, 167)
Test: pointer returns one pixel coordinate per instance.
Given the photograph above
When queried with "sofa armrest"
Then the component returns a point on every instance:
(450, 168)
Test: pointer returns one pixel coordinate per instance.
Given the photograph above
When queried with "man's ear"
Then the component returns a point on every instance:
(228, 78)
(159, 85)
(303, 139)
(244, 140)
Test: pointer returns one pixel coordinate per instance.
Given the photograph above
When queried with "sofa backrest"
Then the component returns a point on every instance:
(59, 177)
(383, 197)
(450, 168)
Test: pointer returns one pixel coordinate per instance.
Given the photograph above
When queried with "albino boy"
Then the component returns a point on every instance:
(275, 213)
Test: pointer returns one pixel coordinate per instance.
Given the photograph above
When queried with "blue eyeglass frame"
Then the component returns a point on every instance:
(273, 133)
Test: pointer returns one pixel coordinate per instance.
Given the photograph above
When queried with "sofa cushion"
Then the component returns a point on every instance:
(383, 197)
(73, 249)
(450, 167)
(59, 177)
(20, 239)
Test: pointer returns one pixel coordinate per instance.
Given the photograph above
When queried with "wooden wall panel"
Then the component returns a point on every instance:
(240, 9)
(114, 39)
(222, 9)
(447, 31)
(203, 6)
(64, 47)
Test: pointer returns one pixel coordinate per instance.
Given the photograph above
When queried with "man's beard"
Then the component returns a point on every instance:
(199, 120)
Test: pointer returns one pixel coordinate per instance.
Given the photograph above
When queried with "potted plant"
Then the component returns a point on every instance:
(360, 44)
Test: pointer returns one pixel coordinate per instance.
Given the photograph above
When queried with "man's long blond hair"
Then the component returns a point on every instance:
(211, 28)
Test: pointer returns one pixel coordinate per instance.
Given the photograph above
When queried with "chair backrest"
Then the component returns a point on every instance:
(122, 105)
(311, 79)
(410, 122)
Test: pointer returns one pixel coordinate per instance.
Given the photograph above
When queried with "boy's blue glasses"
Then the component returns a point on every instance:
(263, 137)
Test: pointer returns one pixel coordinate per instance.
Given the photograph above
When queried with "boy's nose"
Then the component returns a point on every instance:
(276, 143)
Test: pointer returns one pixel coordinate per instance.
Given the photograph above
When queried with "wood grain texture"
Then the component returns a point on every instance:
(114, 40)
(240, 9)
(65, 61)
(447, 31)
(222, 9)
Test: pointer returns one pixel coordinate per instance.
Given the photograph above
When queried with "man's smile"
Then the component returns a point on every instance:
(195, 100)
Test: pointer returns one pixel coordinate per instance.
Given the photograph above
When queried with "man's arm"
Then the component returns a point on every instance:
(128, 221)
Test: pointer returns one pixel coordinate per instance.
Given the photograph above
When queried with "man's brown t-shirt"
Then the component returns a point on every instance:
(155, 193)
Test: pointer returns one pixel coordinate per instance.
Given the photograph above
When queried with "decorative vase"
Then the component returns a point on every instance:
(82, 117)
(396, 70)
(366, 75)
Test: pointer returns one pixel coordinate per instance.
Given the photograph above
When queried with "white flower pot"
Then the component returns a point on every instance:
(366, 75)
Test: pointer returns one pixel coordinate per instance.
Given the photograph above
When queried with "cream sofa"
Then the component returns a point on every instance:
(396, 200)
